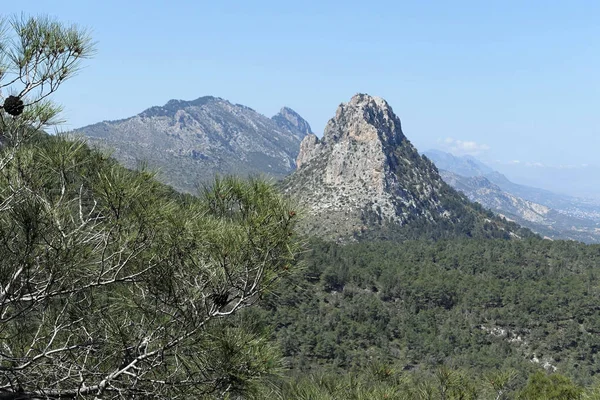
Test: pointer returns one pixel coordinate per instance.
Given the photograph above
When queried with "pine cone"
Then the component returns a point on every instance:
(13, 105)
(220, 299)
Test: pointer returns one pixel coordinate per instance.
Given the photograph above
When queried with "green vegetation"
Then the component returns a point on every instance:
(112, 285)
(471, 306)
(444, 384)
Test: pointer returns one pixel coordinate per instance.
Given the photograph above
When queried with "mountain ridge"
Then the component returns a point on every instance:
(191, 141)
(551, 215)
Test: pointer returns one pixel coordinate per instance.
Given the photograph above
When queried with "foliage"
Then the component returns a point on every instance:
(474, 305)
(37, 55)
(551, 387)
(442, 383)
(111, 284)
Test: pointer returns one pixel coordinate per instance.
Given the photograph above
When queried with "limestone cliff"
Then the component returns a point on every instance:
(364, 173)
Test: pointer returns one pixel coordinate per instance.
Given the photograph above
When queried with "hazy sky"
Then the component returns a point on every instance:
(510, 81)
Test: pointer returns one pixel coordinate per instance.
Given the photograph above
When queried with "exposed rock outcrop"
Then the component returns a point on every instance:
(552, 215)
(365, 172)
(290, 119)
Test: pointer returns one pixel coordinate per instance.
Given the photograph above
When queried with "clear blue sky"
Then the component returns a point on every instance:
(520, 79)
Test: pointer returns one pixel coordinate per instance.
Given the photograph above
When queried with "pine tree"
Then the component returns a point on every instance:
(111, 284)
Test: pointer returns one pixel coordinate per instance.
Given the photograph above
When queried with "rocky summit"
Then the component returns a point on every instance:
(191, 141)
(292, 121)
(364, 174)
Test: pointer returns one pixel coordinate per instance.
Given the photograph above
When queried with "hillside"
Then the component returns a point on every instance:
(478, 305)
(548, 214)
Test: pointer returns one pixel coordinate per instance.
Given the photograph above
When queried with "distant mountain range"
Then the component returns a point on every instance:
(191, 141)
(465, 166)
(549, 214)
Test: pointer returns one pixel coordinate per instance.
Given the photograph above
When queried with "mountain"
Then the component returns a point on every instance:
(291, 120)
(190, 141)
(587, 209)
(364, 177)
(465, 166)
(541, 219)
(569, 205)
(549, 214)
(481, 190)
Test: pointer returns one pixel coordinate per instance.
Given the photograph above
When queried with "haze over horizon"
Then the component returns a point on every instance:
(581, 181)
(514, 84)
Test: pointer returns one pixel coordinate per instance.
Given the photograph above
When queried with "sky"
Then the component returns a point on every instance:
(517, 84)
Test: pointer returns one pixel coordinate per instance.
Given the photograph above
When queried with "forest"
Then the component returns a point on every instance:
(473, 308)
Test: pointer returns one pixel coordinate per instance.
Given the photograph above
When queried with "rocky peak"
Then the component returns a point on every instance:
(364, 175)
(290, 119)
(190, 141)
(363, 119)
(364, 164)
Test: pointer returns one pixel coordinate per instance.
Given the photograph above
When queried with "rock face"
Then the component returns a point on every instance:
(365, 172)
(190, 141)
(290, 119)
